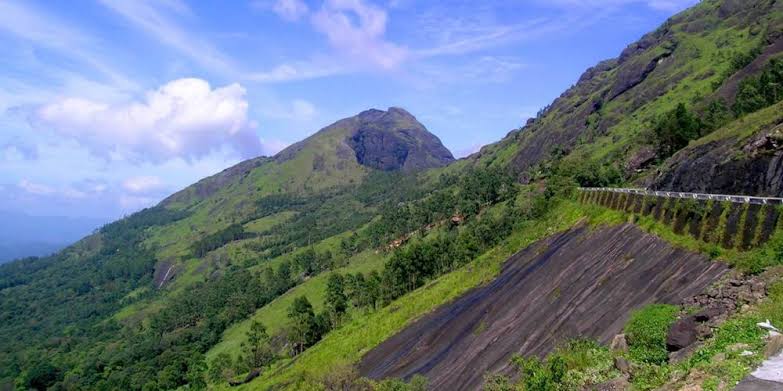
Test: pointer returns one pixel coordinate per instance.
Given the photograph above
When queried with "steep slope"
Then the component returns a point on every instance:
(318, 173)
(116, 293)
(394, 140)
(337, 155)
(696, 58)
(575, 284)
(745, 157)
(138, 304)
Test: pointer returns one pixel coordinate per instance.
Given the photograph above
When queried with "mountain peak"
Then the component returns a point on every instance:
(395, 140)
(376, 114)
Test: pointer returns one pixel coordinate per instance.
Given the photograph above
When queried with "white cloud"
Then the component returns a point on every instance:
(142, 184)
(363, 41)
(302, 109)
(184, 118)
(133, 203)
(481, 70)
(39, 189)
(273, 146)
(35, 188)
(290, 9)
(297, 110)
(297, 71)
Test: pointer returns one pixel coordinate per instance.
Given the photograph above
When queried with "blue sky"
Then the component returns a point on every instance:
(107, 106)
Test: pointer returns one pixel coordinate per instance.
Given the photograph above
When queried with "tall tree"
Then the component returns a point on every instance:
(304, 328)
(336, 302)
(257, 351)
(675, 129)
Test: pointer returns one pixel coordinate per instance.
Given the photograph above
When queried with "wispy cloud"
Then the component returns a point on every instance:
(362, 41)
(290, 9)
(44, 30)
(661, 5)
(302, 70)
(142, 184)
(157, 19)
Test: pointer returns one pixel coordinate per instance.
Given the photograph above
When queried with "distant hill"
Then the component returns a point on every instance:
(22, 235)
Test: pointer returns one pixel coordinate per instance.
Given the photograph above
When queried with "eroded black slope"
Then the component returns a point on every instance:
(579, 283)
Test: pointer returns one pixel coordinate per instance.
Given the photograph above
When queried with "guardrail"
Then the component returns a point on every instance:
(731, 221)
(740, 199)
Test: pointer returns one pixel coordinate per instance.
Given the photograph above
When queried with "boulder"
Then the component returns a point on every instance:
(682, 334)
(619, 343)
(619, 384)
(622, 365)
(250, 376)
(774, 345)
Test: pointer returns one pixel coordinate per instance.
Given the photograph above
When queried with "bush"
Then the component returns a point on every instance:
(538, 375)
(716, 115)
(675, 129)
(757, 92)
(646, 333)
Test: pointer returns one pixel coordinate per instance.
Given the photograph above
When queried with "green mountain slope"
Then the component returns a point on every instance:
(141, 270)
(374, 223)
(697, 59)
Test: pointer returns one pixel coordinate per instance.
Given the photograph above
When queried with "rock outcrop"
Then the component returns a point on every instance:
(752, 166)
(394, 140)
(579, 283)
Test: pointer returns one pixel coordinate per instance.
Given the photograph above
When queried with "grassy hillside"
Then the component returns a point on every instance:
(345, 347)
(118, 297)
(171, 296)
(608, 117)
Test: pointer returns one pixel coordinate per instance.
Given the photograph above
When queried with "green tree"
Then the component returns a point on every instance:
(256, 349)
(221, 368)
(40, 376)
(749, 97)
(336, 301)
(675, 129)
(716, 115)
(197, 368)
(304, 328)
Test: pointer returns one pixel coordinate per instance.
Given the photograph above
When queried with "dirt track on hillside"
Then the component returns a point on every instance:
(579, 283)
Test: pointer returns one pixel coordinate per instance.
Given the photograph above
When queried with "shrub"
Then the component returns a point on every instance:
(757, 92)
(675, 129)
(646, 332)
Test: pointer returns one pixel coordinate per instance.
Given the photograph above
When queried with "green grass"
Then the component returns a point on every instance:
(751, 261)
(646, 331)
(265, 223)
(274, 315)
(347, 344)
(745, 126)
(719, 361)
(687, 76)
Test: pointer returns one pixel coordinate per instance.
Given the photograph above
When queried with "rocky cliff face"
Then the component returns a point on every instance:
(608, 115)
(394, 140)
(580, 283)
(750, 163)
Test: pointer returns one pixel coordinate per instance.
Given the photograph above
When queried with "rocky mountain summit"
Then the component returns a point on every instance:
(394, 140)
